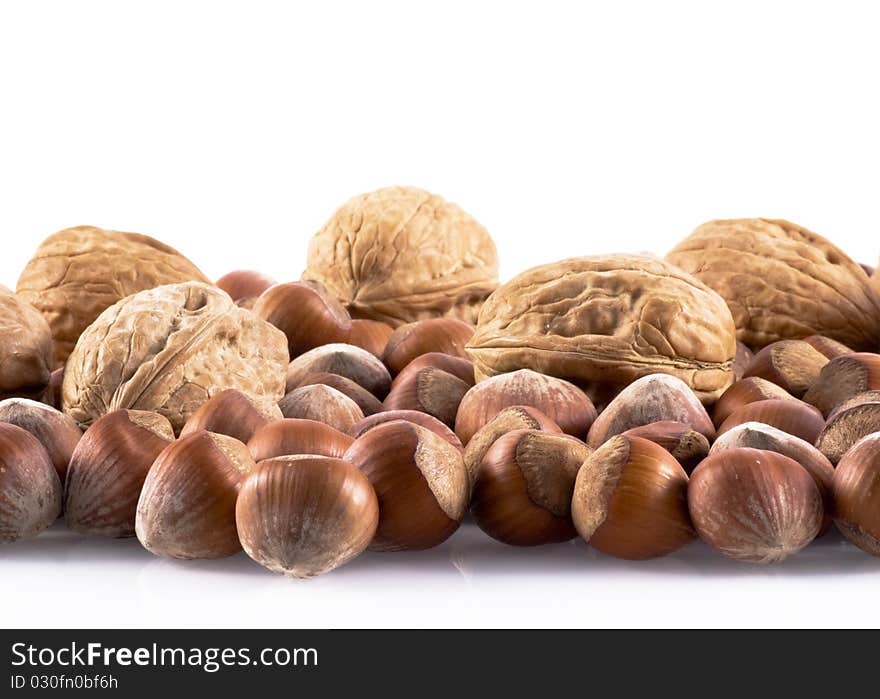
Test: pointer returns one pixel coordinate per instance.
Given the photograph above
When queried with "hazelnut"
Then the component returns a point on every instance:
(305, 313)
(462, 368)
(232, 413)
(58, 433)
(846, 426)
(792, 364)
(741, 360)
(414, 416)
(30, 491)
(857, 494)
(305, 516)
(843, 378)
(366, 401)
(187, 506)
(517, 417)
(52, 394)
(371, 335)
(753, 505)
(446, 335)
(429, 390)
(830, 348)
(630, 500)
(523, 488)
(293, 436)
(792, 416)
(108, 468)
(744, 391)
(420, 481)
(688, 446)
(244, 285)
(345, 360)
(652, 398)
(324, 404)
(561, 401)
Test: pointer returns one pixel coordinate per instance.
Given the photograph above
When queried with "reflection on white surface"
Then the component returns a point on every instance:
(63, 579)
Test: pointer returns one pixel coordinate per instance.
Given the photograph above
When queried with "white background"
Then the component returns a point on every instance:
(233, 130)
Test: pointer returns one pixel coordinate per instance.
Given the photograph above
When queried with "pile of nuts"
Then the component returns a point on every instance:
(728, 392)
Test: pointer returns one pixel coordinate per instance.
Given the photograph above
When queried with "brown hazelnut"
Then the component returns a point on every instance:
(741, 361)
(324, 404)
(830, 348)
(304, 516)
(414, 416)
(847, 426)
(30, 491)
(522, 492)
(462, 368)
(446, 335)
(429, 390)
(232, 413)
(293, 436)
(366, 401)
(561, 401)
(371, 335)
(857, 494)
(58, 433)
(52, 394)
(420, 481)
(187, 506)
(306, 314)
(345, 360)
(843, 378)
(652, 398)
(744, 391)
(243, 285)
(688, 446)
(792, 364)
(792, 416)
(754, 505)
(630, 500)
(108, 468)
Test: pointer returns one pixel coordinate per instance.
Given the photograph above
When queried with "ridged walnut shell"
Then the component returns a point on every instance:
(26, 349)
(77, 273)
(608, 320)
(782, 282)
(401, 254)
(170, 349)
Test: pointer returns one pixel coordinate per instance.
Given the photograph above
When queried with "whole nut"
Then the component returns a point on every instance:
(857, 494)
(420, 481)
(292, 436)
(366, 401)
(446, 335)
(608, 320)
(785, 282)
(232, 413)
(842, 378)
(52, 394)
(169, 350)
(653, 398)
(324, 404)
(30, 491)
(245, 285)
(401, 254)
(345, 360)
(429, 390)
(523, 488)
(754, 505)
(685, 444)
(26, 350)
(792, 364)
(371, 335)
(108, 468)
(187, 506)
(743, 392)
(306, 516)
(414, 416)
(830, 348)
(792, 416)
(561, 401)
(847, 426)
(58, 434)
(741, 361)
(462, 368)
(79, 272)
(306, 313)
(630, 500)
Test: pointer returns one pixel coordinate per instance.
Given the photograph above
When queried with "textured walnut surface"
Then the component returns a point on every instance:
(401, 254)
(782, 281)
(25, 347)
(78, 272)
(168, 350)
(609, 320)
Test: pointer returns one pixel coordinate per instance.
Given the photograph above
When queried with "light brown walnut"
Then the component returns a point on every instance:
(25, 349)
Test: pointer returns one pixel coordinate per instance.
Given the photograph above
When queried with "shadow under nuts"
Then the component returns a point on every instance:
(305, 516)
(857, 494)
(420, 481)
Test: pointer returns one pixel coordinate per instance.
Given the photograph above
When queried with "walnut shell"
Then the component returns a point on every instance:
(608, 320)
(25, 350)
(401, 254)
(168, 350)
(78, 272)
(782, 282)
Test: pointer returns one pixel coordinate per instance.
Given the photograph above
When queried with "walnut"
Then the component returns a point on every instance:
(25, 350)
(168, 350)
(77, 273)
(401, 254)
(783, 282)
(606, 321)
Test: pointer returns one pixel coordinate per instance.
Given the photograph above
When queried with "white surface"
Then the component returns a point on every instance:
(232, 131)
